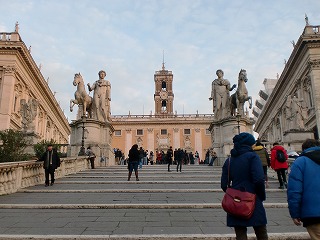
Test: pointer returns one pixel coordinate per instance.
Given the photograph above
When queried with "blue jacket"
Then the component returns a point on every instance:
(304, 185)
(246, 172)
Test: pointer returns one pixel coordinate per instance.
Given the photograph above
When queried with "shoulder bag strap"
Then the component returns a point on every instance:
(229, 160)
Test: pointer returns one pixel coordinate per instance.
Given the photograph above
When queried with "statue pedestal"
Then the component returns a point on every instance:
(32, 139)
(97, 135)
(293, 139)
(223, 131)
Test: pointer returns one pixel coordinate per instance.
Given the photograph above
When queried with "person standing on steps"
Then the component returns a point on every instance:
(245, 172)
(278, 166)
(141, 157)
(91, 156)
(213, 156)
(304, 188)
(51, 161)
(169, 158)
(133, 161)
(264, 157)
(180, 157)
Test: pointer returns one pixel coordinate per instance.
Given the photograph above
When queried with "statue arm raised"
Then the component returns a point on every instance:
(89, 87)
(233, 87)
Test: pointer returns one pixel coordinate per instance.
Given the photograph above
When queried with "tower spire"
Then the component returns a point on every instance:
(163, 68)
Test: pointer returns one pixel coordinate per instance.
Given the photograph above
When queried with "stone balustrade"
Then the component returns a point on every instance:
(17, 175)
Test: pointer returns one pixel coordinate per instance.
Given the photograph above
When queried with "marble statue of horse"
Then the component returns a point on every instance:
(81, 96)
(238, 99)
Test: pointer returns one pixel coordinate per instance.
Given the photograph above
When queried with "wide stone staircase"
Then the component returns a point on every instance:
(101, 204)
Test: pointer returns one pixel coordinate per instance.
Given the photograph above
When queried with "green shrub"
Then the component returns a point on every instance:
(12, 146)
(41, 147)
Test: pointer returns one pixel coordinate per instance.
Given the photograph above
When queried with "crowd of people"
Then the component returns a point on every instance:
(165, 157)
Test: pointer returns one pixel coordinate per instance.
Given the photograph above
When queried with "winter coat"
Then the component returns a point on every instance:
(45, 158)
(263, 155)
(134, 155)
(246, 172)
(304, 186)
(275, 164)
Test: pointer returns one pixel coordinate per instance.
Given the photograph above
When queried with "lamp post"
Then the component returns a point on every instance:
(238, 116)
(82, 151)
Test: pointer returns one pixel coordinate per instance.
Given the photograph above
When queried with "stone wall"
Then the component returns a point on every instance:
(17, 175)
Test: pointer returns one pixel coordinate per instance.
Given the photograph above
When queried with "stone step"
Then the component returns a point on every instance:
(129, 206)
(272, 236)
(101, 204)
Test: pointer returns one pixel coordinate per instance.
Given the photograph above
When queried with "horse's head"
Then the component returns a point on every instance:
(243, 75)
(77, 79)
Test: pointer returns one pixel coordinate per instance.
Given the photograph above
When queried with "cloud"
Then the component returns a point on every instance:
(127, 38)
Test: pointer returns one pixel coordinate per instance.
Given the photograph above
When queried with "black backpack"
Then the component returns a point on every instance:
(280, 156)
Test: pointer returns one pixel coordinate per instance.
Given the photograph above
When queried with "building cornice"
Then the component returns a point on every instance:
(277, 98)
(19, 49)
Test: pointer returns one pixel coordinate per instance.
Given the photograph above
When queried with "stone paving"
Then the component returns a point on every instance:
(101, 204)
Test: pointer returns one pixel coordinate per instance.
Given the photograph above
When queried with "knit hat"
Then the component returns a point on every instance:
(244, 138)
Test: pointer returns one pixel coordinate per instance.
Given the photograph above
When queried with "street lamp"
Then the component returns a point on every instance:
(238, 116)
(82, 151)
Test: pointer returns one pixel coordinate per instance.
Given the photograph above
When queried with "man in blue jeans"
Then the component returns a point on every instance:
(213, 156)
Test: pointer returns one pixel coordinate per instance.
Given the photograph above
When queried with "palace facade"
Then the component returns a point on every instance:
(164, 128)
(26, 101)
(292, 110)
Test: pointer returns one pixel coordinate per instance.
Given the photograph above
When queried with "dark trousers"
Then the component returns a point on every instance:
(48, 171)
(282, 178)
(169, 163)
(92, 162)
(260, 231)
(179, 164)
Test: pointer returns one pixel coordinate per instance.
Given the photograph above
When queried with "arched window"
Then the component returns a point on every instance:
(164, 85)
(163, 106)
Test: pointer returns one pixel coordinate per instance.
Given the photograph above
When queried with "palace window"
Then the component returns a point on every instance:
(117, 132)
(139, 132)
(164, 131)
(164, 106)
(187, 131)
(164, 85)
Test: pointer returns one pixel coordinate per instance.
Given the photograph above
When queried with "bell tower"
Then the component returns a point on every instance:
(163, 96)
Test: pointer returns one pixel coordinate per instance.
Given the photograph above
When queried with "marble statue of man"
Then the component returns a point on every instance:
(220, 96)
(101, 97)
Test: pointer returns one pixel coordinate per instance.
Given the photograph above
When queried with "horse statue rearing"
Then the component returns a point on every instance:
(238, 99)
(81, 96)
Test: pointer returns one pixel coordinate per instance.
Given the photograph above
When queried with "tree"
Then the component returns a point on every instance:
(12, 146)
(41, 147)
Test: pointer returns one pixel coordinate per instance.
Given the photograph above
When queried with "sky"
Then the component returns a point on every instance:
(130, 38)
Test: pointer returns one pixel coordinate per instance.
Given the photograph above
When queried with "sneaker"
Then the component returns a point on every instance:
(51, 184)
(137, 179)
(281, 187)
(47, 185)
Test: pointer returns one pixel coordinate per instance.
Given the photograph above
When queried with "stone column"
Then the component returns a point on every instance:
(7, 98)
(128, 141)
(176, 138)
(150, 139)
(198, 142)
(315, 83)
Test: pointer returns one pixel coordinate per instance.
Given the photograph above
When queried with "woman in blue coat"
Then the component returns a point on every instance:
(304, 188)
(246, 173)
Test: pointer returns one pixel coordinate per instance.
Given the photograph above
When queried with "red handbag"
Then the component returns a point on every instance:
(238, 203)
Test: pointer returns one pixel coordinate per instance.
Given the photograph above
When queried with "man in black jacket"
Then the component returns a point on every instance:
(51, 161)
